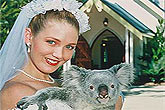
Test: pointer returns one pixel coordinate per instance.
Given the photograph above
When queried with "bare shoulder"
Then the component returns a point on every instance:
(21, 89)
(13, 92)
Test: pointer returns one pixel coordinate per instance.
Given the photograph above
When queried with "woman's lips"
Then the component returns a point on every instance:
(52, 62)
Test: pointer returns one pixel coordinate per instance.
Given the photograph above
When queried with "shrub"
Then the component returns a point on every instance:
(9, 12)
(154, 55)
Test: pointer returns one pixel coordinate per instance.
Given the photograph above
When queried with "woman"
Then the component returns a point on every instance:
(42, 39)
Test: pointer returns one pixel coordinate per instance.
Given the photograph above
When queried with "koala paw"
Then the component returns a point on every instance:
(25, 102)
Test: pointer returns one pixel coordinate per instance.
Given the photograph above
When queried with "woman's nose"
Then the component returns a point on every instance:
(58, 53)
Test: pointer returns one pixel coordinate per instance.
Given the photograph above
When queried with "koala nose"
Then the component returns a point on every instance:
(103, 91)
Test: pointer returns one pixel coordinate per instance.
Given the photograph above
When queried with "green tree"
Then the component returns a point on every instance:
(8, 14)
(154, 55)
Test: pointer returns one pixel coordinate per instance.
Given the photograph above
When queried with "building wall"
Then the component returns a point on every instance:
(96, 22)
(97, 27)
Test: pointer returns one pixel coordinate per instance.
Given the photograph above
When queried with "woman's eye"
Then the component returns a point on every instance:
(51, 42)
(70, 47)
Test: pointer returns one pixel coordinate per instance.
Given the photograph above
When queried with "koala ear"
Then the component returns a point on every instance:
(74, 72)
(124, 73)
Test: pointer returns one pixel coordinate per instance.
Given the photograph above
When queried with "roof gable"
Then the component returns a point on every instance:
(128, 17)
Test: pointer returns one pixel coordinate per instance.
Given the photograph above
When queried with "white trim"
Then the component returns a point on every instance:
(140, 13)
(87, 6)
(131, 48)
(151, 8)
(149, 36)
(126, 46)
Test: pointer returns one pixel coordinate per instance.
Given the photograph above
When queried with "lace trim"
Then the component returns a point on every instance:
(36, 7)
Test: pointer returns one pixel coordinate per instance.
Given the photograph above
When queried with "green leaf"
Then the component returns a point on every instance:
(154, 54)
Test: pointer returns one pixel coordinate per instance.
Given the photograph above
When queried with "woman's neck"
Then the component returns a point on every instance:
(30, 69)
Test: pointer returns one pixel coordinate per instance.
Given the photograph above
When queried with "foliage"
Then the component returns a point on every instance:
(154, 55)
(9, 12)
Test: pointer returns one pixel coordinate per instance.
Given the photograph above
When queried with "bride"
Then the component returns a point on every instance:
(42, 39)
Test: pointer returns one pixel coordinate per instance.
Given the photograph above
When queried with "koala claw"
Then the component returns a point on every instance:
(23, 103)
(26, 101)
(42, 107)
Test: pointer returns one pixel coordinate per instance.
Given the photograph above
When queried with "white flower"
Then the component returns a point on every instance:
(41, 6)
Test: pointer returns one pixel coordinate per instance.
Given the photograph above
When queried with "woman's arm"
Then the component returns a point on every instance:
(12, 93)
(119, 103)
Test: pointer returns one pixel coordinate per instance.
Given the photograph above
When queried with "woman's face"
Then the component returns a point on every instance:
(53, 46)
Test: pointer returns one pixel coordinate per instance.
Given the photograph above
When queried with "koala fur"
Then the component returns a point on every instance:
(84, 89)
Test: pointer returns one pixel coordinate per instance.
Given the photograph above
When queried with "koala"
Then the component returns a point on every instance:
(83, 89)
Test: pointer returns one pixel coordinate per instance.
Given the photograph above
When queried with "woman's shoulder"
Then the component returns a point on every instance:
(20, 88)
(16, 90)
(12, 92)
